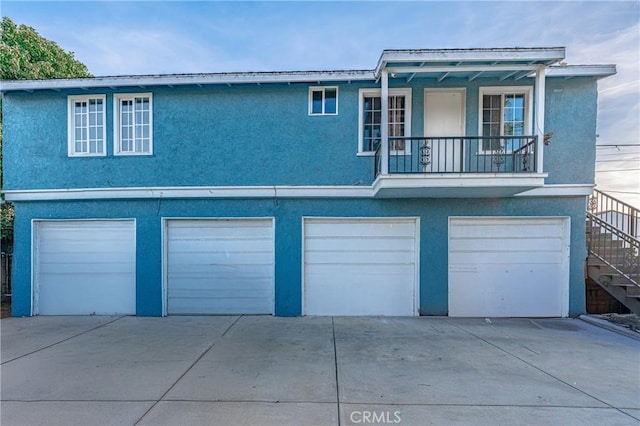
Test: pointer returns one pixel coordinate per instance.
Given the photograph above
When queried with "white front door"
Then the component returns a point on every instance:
(443, 117)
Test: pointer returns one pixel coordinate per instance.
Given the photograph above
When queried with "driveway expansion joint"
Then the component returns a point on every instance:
(62, 341)
(546, 373)
(206, 351)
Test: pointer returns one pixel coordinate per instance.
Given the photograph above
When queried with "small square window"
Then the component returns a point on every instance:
(323, 101)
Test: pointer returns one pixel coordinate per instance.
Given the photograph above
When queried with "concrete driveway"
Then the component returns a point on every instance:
(263, 370)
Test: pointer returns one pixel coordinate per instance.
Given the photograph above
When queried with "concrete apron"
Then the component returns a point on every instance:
(315, 370)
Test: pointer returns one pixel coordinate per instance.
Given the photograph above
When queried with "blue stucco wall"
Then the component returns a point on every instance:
(288, 215)
(259, 135)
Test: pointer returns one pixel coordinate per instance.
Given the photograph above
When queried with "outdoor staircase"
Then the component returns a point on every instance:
(614, 248)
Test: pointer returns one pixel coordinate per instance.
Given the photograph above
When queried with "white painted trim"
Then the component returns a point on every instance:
(117, 98)
(459, 180)
(35, 229)
(539, 116)
(190, 192)
(374, 91)
(165, 252)
(502, 90)
(71, 128)
(323, 90)
(435, 180)
(559, 190)
(384, 123)
(416, 286)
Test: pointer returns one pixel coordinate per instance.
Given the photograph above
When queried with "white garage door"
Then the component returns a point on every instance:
(509, 267)
(220, 266)
(84, 267)
(360, 266)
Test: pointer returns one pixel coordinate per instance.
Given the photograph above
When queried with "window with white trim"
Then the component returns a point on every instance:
(505, 111)
(133, 124)
(86, 127)
(370, 119)
(323, 101)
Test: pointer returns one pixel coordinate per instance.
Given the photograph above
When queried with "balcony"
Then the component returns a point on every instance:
(458, 167)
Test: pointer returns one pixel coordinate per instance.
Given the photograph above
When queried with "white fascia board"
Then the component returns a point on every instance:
(459, 180)
(559, 190)
(189, 192)
(436, 181)
(188, 79)
(546, 55)
(581, 71)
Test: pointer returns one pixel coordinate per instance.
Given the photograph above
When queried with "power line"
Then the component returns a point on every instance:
(619, 145)
(620, 192)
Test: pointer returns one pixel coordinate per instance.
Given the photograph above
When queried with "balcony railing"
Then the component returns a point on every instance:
(459, 154)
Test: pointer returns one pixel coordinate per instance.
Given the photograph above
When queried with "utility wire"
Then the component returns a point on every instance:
(620, 192)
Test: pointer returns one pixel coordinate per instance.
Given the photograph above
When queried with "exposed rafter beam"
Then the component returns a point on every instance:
(461, 68)
(442, 77)
(414, 74)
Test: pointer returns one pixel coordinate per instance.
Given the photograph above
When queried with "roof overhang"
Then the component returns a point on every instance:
(467, 63)
(435, 64)
(318, 77)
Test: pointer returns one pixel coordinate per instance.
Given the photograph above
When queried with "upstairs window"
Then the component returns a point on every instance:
(323, 101)
(133, 124)
(86, 128)
(371, 119)
(505, 111)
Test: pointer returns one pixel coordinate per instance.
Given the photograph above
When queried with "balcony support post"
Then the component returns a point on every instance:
(384, 123)
(539, 116)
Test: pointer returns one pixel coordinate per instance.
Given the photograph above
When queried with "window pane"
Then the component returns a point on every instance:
(330, 101)
(316, 106)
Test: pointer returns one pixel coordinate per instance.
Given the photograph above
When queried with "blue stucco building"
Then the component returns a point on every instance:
(442, 182)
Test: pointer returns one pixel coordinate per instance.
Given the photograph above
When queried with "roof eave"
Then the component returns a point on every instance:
(186, 79)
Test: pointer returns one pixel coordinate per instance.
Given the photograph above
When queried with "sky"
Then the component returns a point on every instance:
(147, 37)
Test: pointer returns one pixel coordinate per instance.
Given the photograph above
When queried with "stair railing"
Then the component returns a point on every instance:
(614, 247)
(615, 212)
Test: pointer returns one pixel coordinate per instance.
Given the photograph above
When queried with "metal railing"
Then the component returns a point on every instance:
(459, 154)
(614, 248)
(615, 212)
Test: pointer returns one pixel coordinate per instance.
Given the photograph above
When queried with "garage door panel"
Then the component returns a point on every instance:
(359, 228)
(504, 229)
(85, 267)
(221, 306)
(228, 260)
(220, 266)
(361, 257)
(332, 270)
(511, 257)
(360, 266)
(509, 244)
(508, 266)
(354, 243)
